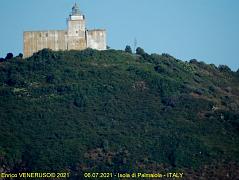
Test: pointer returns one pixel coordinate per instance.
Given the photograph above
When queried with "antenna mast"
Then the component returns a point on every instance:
(135, 44)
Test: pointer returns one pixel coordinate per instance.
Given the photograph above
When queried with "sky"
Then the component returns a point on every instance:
(206, 30)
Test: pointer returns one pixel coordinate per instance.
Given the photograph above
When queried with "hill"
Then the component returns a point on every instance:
(112, 111)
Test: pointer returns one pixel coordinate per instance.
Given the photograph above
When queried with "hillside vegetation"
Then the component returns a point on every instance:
(113, 111)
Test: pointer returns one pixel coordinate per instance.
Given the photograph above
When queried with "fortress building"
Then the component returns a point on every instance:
(76, 37)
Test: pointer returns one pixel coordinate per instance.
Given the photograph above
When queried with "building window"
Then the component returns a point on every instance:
(76, 32)
(46, 34)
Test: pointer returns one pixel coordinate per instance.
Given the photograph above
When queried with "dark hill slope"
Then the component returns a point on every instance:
(111, 111)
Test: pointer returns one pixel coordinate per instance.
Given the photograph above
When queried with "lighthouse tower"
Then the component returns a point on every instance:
(75, 37)
(76, 29)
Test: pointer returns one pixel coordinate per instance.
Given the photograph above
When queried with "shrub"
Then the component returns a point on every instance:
(80, 101)
(193, 61)
(20, 55)
(50, 78)
(159, 69)
(224, 68)
(199, 91)
(128, 49)
(169, 101)
(9, 56)
(140, 51)
(167, 55)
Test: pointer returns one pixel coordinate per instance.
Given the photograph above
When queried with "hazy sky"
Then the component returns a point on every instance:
(207, 30)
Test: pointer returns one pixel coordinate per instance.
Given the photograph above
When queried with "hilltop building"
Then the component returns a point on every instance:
(76, 37)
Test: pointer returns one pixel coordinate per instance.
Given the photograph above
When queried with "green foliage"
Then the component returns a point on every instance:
(9, 56)
(112, 111)
(140, 51)
(224, 68)
(20, 55)
(128, 49)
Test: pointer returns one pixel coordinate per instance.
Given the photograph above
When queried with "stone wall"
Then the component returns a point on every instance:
(76, 37)
(35, 41)
(38, 40)
(76, 43)
(96, 39)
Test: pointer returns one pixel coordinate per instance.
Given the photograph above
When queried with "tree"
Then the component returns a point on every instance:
(50, 78)
(2, 59)
(140, 51)
(9, 56)
(128, 49)
(224, 68)
(237, 72)
(193, 61)
(20, 55)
